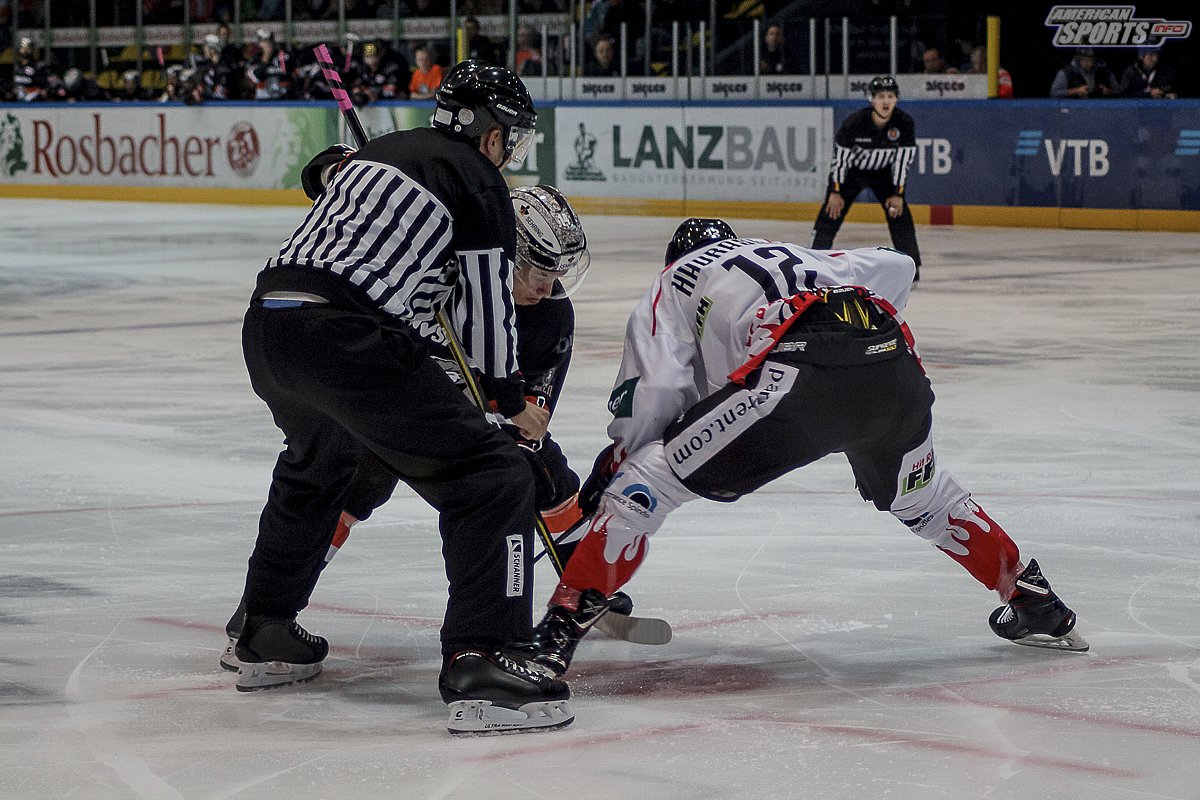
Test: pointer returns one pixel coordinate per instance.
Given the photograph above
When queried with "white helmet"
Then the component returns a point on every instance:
(550, 236)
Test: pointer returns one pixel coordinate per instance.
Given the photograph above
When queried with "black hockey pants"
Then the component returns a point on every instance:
(901, 228)
(875, 413)
(338, 383)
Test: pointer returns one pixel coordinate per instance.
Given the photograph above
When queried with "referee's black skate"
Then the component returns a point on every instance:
(1035, 616)
(233, 630)
(489, 692)
(277, 652)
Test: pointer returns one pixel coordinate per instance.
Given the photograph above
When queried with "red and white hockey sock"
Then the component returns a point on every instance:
(340, 534)
(635, 504)
(590, 566)
(982, 547)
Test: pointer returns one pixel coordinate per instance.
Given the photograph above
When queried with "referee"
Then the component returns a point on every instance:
(412, 222)
(874, 149)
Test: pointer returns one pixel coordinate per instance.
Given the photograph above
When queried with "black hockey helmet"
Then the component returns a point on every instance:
(695, 233)
(883, 83)
(475, 95)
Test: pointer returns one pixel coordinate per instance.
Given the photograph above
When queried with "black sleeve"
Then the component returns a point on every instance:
(545, 333)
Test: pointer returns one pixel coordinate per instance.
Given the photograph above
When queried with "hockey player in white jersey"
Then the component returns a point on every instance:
(747, 359)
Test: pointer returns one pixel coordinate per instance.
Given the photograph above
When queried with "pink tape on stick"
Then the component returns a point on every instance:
(325, 62)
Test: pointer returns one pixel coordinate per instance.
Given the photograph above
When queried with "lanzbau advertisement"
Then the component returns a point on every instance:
(147, 145)
(746, 153)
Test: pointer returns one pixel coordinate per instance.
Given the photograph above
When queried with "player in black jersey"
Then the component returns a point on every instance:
(874, 149)
(413, 223)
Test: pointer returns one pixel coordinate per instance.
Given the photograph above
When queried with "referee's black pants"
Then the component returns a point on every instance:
(338, 383)
(879, 181)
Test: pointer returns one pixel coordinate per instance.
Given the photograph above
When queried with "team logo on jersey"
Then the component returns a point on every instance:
(12, 147)
(919, 475)
(640, 495)
(1111, 26)
(893, 134)
(620, 402)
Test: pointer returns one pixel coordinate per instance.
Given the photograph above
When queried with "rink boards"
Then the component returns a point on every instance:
(1029, 163)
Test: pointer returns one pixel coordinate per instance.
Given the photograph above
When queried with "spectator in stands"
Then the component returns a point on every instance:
(270, 9)
(480, 47)
(31, 77)
(529, 57)
(79, 88)
(172, 91)
(426, 77)
(540, 6)
(1085, 76)
(1146, 78)
(1004, 84)
(774, 58)
(384, 76)
(429, 8)
(315, 9)
(270, 71)
(604, 62)
(218, 74)
(935, 64)
(131, 88)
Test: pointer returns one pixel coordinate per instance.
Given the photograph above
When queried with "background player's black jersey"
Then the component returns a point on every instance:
(861, 145)
(409, 217)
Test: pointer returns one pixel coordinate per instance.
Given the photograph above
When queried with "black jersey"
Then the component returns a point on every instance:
(410, 218)
(861, 145)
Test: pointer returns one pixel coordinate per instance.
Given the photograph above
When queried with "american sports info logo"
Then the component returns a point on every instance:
(1111, 26)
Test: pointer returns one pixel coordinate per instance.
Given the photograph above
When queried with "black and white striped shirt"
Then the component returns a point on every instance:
(420, 222)
(861, 145)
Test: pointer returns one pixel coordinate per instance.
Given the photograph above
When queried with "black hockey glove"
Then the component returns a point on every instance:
(554, 480)
(312, 176)
(593, 488)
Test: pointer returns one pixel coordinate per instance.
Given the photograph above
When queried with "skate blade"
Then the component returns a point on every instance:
(1072, 642)
(273, 674)
(483, 718)
(638, 630)
(228, 660)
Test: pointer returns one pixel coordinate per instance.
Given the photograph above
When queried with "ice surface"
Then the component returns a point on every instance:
(821, 650)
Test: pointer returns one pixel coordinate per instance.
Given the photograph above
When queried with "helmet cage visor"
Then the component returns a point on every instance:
(568, 270)
(517, 144)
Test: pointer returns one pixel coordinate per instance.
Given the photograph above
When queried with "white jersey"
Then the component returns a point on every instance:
(693, 327)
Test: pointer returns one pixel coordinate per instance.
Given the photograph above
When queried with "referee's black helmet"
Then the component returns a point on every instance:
(475, 95)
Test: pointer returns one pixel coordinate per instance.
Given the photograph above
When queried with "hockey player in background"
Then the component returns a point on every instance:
(873, 149)
(747, 359)
(552, 261)
(413, 221)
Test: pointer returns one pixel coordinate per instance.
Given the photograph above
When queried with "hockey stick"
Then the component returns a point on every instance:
(640, 630)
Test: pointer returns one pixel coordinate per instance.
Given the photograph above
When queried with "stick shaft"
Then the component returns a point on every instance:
(344, 104)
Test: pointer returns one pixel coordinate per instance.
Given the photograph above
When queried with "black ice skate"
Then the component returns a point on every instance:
(490, 693)
(1036, 617)
(277, 652)
(560, 631)
(233, 630)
